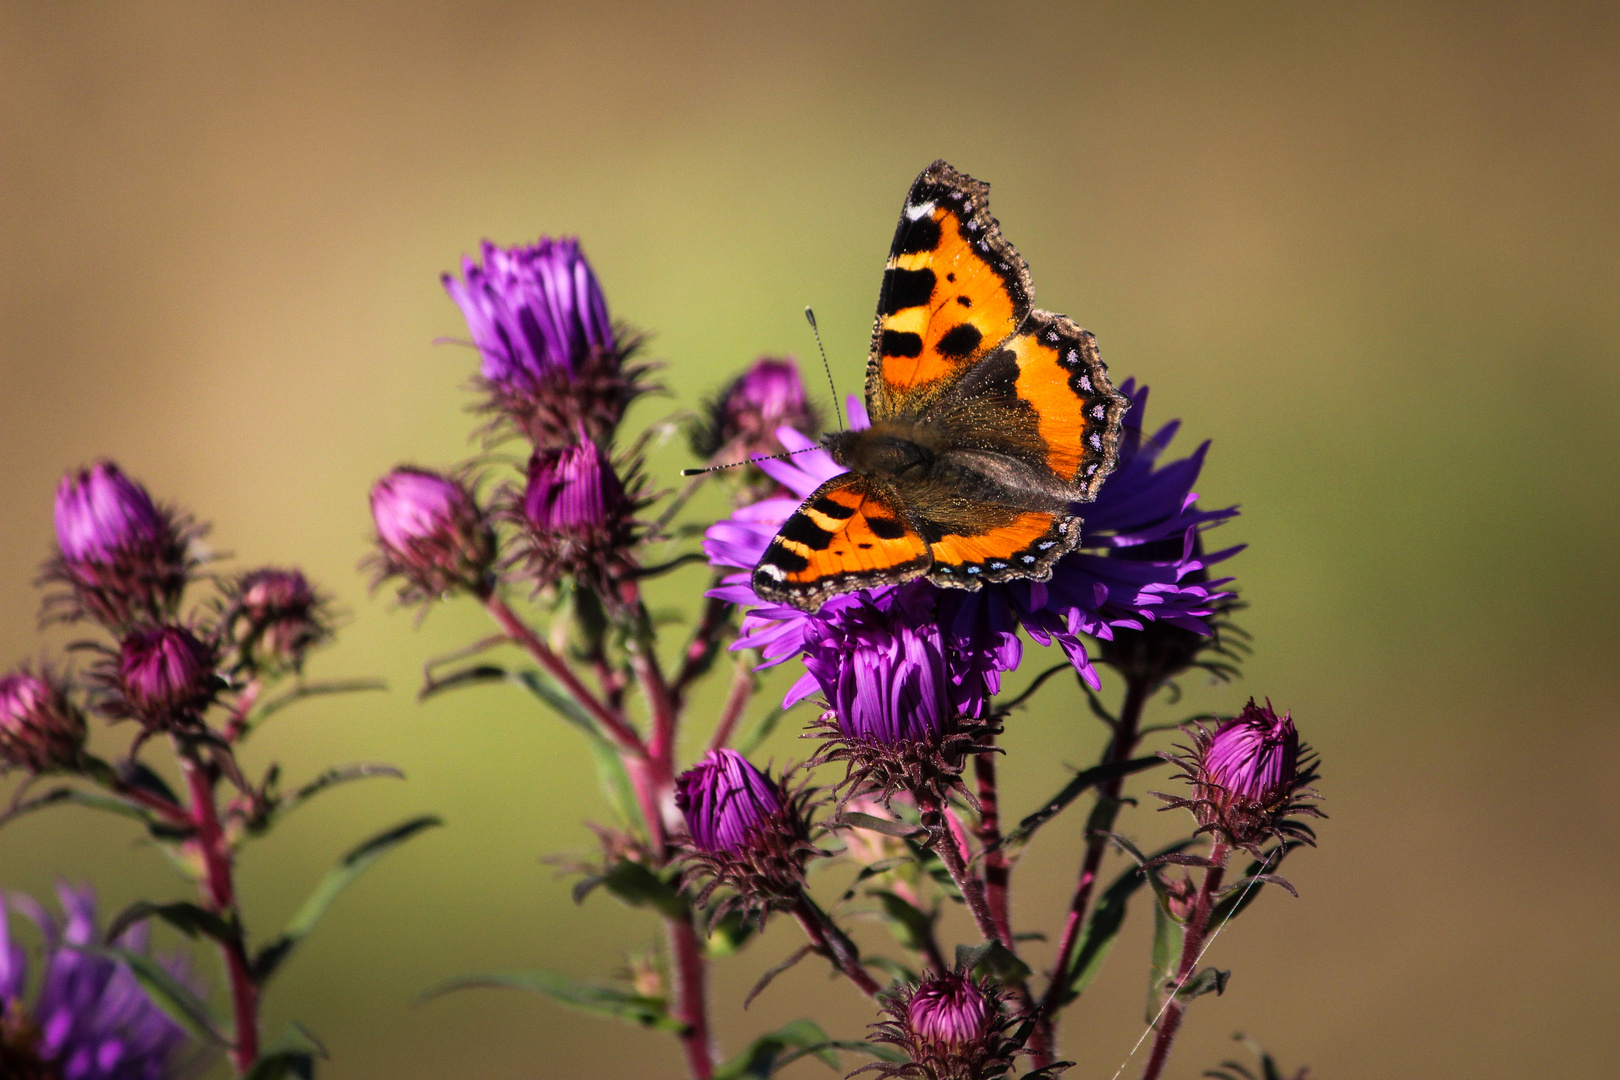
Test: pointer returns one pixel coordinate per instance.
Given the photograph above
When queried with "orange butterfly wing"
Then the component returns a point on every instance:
(953, 290)
(849, 534)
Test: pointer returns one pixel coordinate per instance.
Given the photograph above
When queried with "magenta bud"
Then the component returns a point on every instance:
(742, 420)
(1255, 755)
(166, 676)
(275, 617)
(725, 800)
(576, 517)
(430, 532)
(950, 1009)
(40, 729)
(950, 1025)
(125, 558)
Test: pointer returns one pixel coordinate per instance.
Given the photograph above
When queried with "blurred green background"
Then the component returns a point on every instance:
(1374, 252)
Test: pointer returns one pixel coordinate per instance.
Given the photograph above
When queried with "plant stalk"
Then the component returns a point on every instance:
(1192, 949)
(832, 943)
(691, 996)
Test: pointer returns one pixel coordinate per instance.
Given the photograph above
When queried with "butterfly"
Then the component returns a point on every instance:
(990, 420)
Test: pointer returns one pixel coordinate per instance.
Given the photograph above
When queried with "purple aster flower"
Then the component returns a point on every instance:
(747, 831)
(1248, 775)
(1092, 591)
(741, 421)
(90, 1019)
(551, 359)
(274, 617)
(576, 517)
(40, 728)
(430, 533)
(166, 677)
(124, 558)
(950, 1026)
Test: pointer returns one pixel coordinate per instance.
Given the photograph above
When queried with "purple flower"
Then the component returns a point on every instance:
(533, 311)
(725, 800)
(950, 1026)
(1255, 755)
(275, 617)
(90, 1019)
(551, 358)
(1249, 775)
(431, 533)
(100, 513)
(40, 729)
(1092, 590)
(576, 517)
(747, 832)
(741, 421)
(124, 558)
(950, 1009)
(166, 677)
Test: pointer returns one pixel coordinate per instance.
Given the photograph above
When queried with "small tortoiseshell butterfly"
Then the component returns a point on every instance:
(990, 420)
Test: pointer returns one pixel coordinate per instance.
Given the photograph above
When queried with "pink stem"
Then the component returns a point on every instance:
(1192, 948)
(997, 871)
(236, 727)
(835, 946)
(691, 996)
(220, 895)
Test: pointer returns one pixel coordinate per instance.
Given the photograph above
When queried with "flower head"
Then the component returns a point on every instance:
(40, 728)
(124, 558)
(1090, 592)
(551, 358)
(748, 832)
(741, 421)
(90, 1019)
(1249, 775)
(166, 677)
(950, 1026)
(576, 517)
(274, 617)
(430, 533)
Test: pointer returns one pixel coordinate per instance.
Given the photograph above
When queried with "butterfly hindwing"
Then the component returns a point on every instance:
(849, 534)
(953, 290)
(1023, 546)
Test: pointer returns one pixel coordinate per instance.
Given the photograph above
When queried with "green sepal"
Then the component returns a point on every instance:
(621, 1004)
(291, 1057)
(355, 863)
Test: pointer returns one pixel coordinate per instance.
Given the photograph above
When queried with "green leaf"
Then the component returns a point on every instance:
(94, 800)
(324, 782)
(167, 992)
(638, 886)
(765, 1055)
(1089, 778)
(1167, 939)
(309, 690)
(912, 927)
(887, 826)
(188, 918)
(1208, 981)
(882, 1053)
(603, 1000)
(616, 786)
(553, 696)
(1104, 925)
(355, 863)
(291, 1057)
(992, 960)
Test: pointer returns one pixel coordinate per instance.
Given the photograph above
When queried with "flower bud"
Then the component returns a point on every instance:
(741, 422)
(951, 1025)
(551, 359)
(125, 559)
(431, 533)
(746, 831)
(1248, 776)
(166, 677)
(576, 517)
(40, 729)
(274, 617)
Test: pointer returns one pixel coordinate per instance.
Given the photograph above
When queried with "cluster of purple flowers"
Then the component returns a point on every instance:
(88, 1019)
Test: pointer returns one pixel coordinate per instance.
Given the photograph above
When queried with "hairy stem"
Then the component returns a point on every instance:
(1126, 736)
(219, 894)
(943, 842)
(691, 996)
(613, 724)
(997, 870)
(1192, 950)
(832, 943)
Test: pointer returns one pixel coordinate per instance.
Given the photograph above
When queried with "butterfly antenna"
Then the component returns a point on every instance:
(747, 461)
(814, 329)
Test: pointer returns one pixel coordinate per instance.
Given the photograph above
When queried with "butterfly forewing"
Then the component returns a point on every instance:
(953, 290)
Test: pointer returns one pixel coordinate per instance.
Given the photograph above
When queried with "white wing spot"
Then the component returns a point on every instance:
(1029, 558)
(998, 566)
(973, 569)
(1095, 441)
(1045, 545)
(1085, 383)
(1074, 357)
(772, 572)
(1098, 412)
(917, 213)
